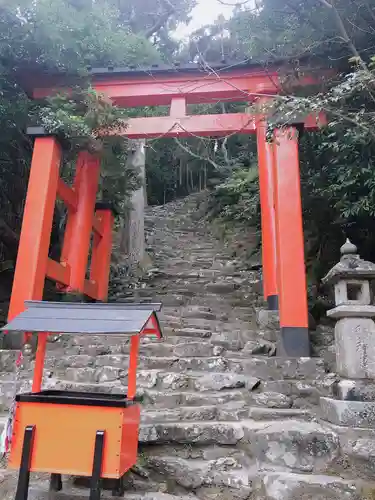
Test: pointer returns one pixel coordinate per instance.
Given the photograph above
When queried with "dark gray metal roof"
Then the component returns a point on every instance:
(226, 65)
(173, 68)
(74, 317)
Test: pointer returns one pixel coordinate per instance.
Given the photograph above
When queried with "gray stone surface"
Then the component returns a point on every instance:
(361, 457)
(268, 319)
(233, 341)
(221, 381)
(192, 474)
(349, 413)
(352, 311)
(272, 400)
(194, 433)
(355, 347)
(282, 486)
(197, 349)
(257, 347)
(354, 390)
(292, 444)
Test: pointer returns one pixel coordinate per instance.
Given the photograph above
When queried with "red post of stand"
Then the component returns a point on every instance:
(133, 361)
(35, 237)
(101, 253)
(39, 362)
(290, 246)
(78, 242)
(266, 183)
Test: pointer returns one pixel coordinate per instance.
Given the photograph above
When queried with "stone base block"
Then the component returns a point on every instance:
(355, 347)
(354, 390)
(348, 413)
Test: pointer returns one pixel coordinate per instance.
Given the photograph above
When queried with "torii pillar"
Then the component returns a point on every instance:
(291, 272)
(284, 274)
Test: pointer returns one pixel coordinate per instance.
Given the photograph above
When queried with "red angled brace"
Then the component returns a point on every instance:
(152, 327)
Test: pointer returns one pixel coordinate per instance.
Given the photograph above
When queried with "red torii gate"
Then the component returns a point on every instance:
(282, 230)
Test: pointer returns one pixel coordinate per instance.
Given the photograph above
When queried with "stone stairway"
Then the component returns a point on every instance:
(222, 416)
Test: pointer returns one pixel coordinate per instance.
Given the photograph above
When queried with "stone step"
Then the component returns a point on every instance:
(289, 486)
(259, 413)
(153, 397)
(162, 380)
(234, 411)
(169, 363)
(193, 433)
(227, 473)
(273, 370)
(295, 445)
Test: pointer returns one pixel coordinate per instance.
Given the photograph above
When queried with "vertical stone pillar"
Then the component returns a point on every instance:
(133, 238)
(353, 401)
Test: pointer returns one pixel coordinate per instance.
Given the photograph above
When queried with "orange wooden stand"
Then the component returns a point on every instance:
(64, 441)
(77, 433)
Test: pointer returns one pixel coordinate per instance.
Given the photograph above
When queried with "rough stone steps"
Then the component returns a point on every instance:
(223, 418)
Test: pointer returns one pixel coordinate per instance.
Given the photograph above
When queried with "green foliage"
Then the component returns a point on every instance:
(237, 199)
(64, 35)
(81, 115)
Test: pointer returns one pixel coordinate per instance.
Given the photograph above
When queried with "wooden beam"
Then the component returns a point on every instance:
(90, 289)
(67, 195)
(28, 283)
(97, 226)
(178, 107)
(201, 125)
(205, 87)
(58, 272)
(185, 126)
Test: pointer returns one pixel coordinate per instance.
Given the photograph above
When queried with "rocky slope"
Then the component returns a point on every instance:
(222, 416)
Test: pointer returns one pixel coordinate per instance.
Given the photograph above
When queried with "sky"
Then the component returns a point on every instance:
(206, 12)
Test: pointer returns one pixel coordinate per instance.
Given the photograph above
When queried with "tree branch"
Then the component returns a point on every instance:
(343, 32)
(195, 155)
(162, 19)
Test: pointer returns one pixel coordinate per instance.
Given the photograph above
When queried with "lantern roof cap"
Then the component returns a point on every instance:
(350, 267)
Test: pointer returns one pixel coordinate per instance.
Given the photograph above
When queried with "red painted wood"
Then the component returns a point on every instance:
(58, 272)
(289, 231)
(88, 168)
(32, 259)
(203, 125)
(200, 88)
(101, 254)
(266, 184)
(178, 107)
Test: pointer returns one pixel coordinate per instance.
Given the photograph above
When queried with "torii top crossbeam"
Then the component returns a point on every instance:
(178, 86)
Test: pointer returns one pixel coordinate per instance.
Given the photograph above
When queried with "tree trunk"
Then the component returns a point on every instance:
(133, 233)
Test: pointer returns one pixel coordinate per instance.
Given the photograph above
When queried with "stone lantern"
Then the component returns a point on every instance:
(354, 393)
